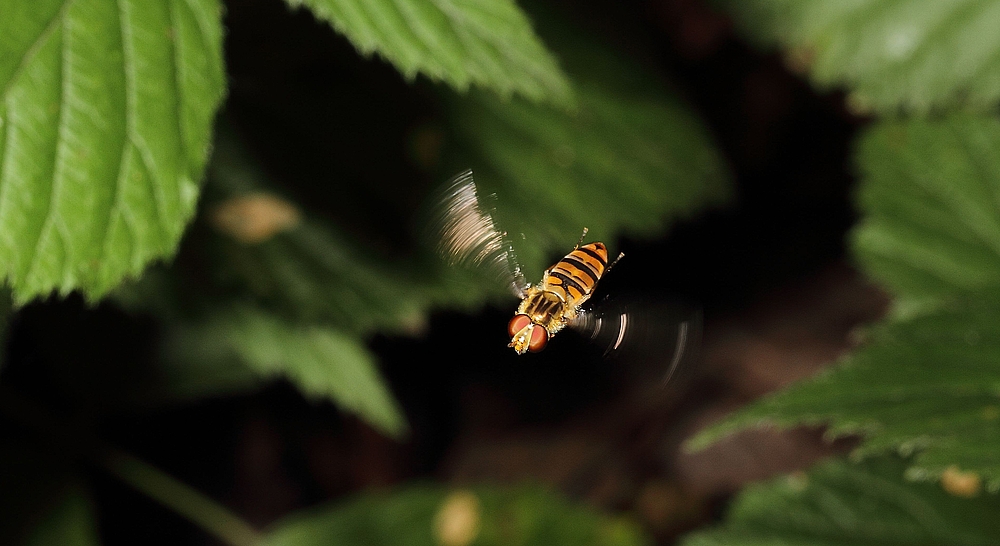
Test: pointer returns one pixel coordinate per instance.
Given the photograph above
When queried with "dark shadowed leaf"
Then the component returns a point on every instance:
(841, 503)
(40, 490)
(313, 272)
(927, 386)
(926, 382)
(69, 522)
(932, 226)
(891, 54)
(420, 515)
(306, 288)
(322, 361)
(632, 158)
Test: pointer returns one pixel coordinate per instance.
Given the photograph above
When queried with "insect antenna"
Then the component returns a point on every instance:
(580, 242)
(612, 264)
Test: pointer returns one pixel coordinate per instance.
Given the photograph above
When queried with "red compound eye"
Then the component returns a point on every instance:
(517, 324)
(539, 337)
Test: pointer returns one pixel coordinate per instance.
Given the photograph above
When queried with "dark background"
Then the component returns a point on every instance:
(778, 297)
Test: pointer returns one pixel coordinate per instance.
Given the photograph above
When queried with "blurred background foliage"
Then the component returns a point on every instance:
(425, 514)
(306, 282)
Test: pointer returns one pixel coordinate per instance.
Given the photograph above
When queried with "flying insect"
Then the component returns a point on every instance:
(466, 234)
(556, 300)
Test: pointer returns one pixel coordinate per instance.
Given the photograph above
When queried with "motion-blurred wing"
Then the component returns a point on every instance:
(467, 235)
(652, 340)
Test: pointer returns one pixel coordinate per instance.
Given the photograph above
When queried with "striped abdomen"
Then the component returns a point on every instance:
(575, 276)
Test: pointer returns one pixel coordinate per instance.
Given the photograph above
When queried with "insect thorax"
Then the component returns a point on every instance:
(546, 308)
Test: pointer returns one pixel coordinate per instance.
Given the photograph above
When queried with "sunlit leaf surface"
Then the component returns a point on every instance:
(105, 118)
(890, 54)
(489, 43)
(841, 503)
(429, 515)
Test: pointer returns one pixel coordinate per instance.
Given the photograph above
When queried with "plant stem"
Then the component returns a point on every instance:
(144, 477)
(181, 498)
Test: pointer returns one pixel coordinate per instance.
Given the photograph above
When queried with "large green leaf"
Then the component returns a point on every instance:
(891, 54)
(632, 157)
(489, 43)
(322, 361)
(839, 503)
(929, 380)
(105, 119)
(525, 516)
(930, 192)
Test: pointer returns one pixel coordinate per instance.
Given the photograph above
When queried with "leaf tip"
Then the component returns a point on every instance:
(711, 434)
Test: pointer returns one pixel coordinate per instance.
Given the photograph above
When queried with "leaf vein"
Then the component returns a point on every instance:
(176, 79)
(425, 39)
(468, 39)
(131, 96)
(362, 16)
(61, 138)
(33, 50)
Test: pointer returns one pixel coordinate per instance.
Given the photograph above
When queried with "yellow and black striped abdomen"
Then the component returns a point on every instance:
(576, 275)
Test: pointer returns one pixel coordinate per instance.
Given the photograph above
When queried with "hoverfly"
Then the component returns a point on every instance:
(556, 300)
(466, 234)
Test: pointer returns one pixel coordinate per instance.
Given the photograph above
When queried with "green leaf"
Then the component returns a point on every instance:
(839, 503)
(195, 366)
(489, 43)
(105, 119)
(525, 516)
(322, 361)
(929, 386)
(891, 54)
(928, 381)
(70, 522)
(313, 272)
(931, 227)
(632, 157)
